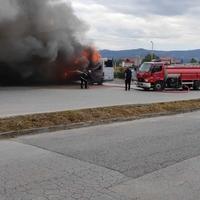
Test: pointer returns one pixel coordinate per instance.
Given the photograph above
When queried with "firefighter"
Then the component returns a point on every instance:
(128, 78)
(84, 80)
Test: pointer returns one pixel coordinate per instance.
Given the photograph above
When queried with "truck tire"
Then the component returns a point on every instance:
(196, 85)
(159, 86)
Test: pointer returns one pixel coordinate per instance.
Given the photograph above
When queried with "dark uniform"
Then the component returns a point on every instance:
(84, 80)
(128, 77)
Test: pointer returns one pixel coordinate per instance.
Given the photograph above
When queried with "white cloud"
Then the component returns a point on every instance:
(134, 23)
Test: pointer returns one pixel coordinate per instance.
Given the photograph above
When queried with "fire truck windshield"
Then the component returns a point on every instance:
(145, 67)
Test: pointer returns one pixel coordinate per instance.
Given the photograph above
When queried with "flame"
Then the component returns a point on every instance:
(96, 56)
(91, 54)
(88, 57)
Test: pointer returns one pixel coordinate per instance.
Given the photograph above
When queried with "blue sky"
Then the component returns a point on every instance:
(127, 24)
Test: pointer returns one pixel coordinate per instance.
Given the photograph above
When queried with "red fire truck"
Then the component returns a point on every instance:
(159, 76)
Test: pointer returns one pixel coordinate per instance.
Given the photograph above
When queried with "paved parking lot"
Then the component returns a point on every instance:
(26, 100)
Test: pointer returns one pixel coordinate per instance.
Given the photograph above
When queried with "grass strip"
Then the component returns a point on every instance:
(95, 115)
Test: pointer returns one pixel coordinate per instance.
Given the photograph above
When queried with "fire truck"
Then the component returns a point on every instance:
(158, 76)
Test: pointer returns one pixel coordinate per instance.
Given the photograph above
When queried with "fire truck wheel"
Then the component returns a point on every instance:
(196, 85)
(158, 86)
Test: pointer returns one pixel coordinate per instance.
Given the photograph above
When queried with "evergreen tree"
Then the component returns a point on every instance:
(193, 60)
(149, 58)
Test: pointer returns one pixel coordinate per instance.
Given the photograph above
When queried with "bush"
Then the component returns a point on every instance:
(119, 73)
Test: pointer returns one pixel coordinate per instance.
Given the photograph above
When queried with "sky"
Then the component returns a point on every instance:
(131, 24)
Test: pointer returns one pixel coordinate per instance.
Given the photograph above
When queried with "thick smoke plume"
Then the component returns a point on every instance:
(38, 38)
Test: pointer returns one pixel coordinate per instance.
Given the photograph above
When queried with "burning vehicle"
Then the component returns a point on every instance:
(89, 62)
(57, 72)
(43, 42)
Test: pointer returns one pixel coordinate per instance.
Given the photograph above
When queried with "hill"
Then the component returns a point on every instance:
(182, 55)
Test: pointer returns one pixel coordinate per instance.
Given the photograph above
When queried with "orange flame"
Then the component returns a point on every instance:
(96, 56)
(91, 54)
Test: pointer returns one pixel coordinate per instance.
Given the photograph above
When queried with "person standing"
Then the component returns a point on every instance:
(128, 78)
(84, 80)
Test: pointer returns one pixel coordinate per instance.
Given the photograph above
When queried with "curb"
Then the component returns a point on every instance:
(14, 134)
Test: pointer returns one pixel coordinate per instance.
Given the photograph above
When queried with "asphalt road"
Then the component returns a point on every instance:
(19, 101)
(148, 159)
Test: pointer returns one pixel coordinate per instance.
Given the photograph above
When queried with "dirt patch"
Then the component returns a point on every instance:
(94, 115)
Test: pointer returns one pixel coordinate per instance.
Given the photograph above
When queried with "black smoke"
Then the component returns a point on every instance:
(38, 39)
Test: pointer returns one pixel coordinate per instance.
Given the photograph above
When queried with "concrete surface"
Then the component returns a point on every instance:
(149, 159)
(30, 173)
(131, 148)
(27, 100)
(177, 182)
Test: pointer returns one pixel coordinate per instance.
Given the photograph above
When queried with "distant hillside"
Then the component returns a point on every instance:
(182, 55)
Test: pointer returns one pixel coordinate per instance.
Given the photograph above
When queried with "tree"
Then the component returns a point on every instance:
(118, 62)
(193, 60)
(149, 58)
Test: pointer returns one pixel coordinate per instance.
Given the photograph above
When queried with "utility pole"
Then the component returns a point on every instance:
(152, 48)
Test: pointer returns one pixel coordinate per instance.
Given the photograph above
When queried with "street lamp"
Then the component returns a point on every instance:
(152, 45)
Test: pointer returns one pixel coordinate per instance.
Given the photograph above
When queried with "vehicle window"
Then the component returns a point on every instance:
(145, 67)
(109, 63)
(157, 68)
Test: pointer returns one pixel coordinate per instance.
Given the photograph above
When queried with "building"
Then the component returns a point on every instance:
(131, 62)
